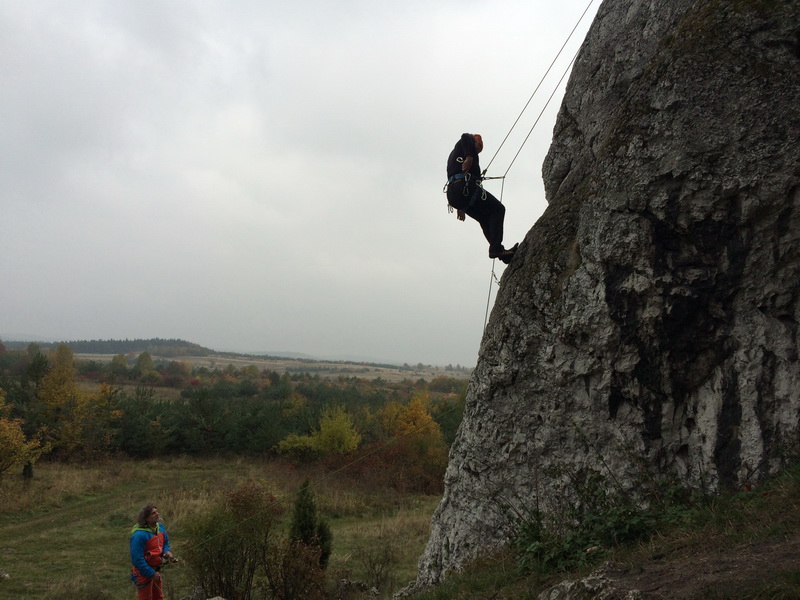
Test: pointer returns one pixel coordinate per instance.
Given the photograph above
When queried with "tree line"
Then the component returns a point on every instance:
(155, 346)
(56, 407)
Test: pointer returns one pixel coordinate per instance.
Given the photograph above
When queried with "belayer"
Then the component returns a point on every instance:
(150, 551)
(467, 196)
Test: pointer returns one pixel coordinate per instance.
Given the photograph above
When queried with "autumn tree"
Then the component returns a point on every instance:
(336, 435)
(418, 456)
(60, 400)
(72, 421)
(413, 419)
(99, 416)
(15, 449)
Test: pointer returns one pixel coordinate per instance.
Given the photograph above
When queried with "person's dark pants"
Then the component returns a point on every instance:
(487, 210)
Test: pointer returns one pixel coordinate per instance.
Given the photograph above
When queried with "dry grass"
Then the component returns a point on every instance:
(400, 535)
(56, 484)
(71, 520)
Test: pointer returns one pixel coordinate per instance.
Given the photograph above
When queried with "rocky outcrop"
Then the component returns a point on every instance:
(649, 321)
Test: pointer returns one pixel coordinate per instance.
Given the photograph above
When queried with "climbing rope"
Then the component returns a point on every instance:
(502, 178)
(541, 81)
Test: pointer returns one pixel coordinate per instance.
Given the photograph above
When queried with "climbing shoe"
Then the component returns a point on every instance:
(504, 254)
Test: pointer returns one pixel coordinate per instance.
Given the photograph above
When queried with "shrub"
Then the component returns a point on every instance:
(293, 572)
(227, 544)
(380, 563)
(301, 448)
(599, 516)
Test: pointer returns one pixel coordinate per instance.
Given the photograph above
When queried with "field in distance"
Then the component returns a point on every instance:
(327, 369)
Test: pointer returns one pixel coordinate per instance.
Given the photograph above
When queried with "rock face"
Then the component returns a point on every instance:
(649, 321)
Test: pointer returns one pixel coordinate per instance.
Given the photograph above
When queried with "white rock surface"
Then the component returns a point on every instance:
(649, 320)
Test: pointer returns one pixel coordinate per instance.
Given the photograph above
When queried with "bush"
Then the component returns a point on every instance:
(227, 545)
(379, 563)
(300, 448)
(293, 572)
(600, 516)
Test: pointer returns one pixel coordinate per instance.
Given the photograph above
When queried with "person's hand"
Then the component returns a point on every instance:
(157, 577)
(465, 166)
(460, 215)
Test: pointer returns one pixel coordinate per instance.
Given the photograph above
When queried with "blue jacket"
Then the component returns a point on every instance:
(147, 548)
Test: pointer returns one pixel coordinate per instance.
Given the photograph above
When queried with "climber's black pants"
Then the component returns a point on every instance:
(479, 204)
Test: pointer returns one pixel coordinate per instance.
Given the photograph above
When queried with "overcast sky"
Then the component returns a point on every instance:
(265, 175)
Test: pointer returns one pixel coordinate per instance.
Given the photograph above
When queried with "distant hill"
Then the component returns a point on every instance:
(172, 348)
(155, 346)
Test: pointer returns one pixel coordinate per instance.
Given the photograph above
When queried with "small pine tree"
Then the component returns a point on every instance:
(307, 528)
(325, 541)
(304, 517)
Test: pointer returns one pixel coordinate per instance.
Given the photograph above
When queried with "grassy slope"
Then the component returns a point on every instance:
(742, 546)
(67, 532)
(72, 532)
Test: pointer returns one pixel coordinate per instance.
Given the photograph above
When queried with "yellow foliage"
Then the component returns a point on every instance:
(389, 417)
(298, 446)
(337, 434)
(413, 419)
(58, 389)
(15, 450)
(72, 420)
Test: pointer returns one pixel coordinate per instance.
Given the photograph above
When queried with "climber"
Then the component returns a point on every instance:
(465, 194)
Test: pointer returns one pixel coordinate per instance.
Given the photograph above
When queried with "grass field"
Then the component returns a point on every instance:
(64, 535)
(325, 369)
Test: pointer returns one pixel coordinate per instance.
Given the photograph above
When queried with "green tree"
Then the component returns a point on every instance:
(141, 431)
(176, 373)
(144, 363)
(99, 417)
(37, 369)
(22, 392)
(118, 366)
(33, 350)
(307, 527)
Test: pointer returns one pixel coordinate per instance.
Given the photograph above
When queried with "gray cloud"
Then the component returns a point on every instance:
(262, 176)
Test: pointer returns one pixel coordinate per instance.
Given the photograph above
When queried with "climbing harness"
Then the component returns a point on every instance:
(477, 192)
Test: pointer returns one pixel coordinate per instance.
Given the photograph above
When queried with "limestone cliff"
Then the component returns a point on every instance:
(649, 320)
